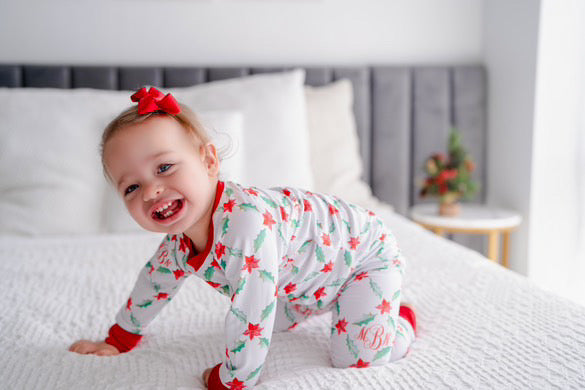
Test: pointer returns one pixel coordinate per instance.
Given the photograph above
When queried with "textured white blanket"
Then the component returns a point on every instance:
(479, 325)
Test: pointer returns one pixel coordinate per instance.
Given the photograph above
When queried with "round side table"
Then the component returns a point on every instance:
(473, 219)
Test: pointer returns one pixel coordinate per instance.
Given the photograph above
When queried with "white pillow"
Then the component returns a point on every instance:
(225, 130)
(276, 137)
(335, 158)
(50, 171)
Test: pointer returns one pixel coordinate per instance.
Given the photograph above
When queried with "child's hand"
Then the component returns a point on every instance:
(89, 347)
(206, 376)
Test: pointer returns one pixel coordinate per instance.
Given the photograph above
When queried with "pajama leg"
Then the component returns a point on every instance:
(289, 315)
(366, 329)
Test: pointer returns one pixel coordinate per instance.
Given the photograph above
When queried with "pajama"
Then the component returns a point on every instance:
(281, 255)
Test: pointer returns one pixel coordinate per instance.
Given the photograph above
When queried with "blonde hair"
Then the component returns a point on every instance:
(187, 118)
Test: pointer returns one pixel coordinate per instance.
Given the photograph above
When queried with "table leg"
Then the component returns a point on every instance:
(493, 245)
(506, 246)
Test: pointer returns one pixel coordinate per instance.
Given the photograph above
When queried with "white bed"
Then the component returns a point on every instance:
(68, 261)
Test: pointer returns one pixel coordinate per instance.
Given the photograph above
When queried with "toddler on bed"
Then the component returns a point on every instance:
(280, 254)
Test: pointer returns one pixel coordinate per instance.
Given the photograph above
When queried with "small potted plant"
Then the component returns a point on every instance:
(449, 177)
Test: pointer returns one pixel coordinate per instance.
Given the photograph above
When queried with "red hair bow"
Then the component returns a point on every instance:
(155, 100)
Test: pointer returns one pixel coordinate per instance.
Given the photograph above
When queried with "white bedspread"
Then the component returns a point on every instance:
(479, 325)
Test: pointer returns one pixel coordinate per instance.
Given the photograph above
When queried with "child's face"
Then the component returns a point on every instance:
(166, 181)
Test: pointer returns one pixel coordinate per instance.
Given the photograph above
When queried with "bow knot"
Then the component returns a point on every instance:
(154, 100)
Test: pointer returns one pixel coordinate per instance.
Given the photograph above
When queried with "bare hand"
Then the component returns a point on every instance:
(206, 376)
(89, 347)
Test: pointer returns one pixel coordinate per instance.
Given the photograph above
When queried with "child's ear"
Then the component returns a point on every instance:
(210, 159)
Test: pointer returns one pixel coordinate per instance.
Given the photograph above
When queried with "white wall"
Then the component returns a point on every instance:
(240, 32)
(510, 49)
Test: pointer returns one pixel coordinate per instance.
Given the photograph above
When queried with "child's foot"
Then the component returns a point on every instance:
(407, 312)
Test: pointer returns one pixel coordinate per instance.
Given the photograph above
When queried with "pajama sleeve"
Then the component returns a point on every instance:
(156, 285)
(252, 273)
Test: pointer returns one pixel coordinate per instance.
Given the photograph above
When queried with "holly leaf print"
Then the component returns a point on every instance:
(229, 192)
(163, 270)
(145, 304)
(391, 322)
(259, 240)
(264, 342)
(248, 206)
(209, 273)
(235, 252)
(295, 269)
(396, 295)
(311, 275)
(270, 202)
(366, 228)
(332, 227)
(337, 307)
(240, 315)
(347, 225)
(254, 373)
(240, 286)
(351, 346)
(296, 223)
(304, 246)
(240, 346)
(348, 259)
(338, 282)
(265, 275)
(288, 314)
(382, 353)
(156, 287)
(135, 321)
(267, 310)
(320, 304)
(226, 290)
(225, 226)
(366, 320)
(320, 255)
(375, 288)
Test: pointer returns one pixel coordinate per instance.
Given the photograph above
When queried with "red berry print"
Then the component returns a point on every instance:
(129, 304)
(178, 274)
(328, 267)
(361, 275)
(308, 205)
(283, 214)
(236, 385)
(286, 192)
(289, 288)
(354, 242)
(384, 307)
(251, 191)
(251, 263)
(219, 250)
(253, 331)
(320, 293)
(229, 205)
(341, 324)
(214, 285)
(162, 296)
(326, 239)
(333, 210)
(383, 237)
(360, 364)
(268, 221)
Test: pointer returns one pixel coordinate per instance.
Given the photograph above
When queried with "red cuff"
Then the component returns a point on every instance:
(122, 339)
(214, 383)
(408, 314)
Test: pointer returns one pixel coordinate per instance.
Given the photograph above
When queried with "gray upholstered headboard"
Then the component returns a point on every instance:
(403, 113)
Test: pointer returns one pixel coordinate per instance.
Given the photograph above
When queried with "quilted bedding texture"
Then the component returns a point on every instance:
(479, 326)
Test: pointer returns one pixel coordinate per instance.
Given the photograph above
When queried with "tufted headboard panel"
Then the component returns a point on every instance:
(403, 113)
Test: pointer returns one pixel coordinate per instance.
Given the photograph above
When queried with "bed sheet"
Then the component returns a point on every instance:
(479, 325)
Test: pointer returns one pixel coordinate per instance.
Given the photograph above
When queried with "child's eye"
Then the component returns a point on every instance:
(130, 189)
(164, 167)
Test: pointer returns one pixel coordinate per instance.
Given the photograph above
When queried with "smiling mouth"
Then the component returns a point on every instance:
(168, 211)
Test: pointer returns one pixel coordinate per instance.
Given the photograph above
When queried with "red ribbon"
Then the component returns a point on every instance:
(154, 100)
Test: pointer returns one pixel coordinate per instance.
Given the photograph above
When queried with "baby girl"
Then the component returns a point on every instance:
(280, 254)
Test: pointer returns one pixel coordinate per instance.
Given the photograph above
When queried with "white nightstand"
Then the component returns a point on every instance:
(473, 219)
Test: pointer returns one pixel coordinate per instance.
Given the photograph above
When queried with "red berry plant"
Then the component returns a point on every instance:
(450, 178)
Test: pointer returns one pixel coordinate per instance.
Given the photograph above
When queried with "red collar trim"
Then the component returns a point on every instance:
(198, 260)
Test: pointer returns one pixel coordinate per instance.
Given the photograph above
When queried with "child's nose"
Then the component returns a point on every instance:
(152, 191)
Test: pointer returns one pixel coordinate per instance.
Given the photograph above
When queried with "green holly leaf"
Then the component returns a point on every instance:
(366, 320)
(391, 322)
(288, 314)
(241, 285)
(254, 373)
(267, 310)
(270, 202)
(265, 275)
(347, 225)
(396, 295)
(351, 346)
(366, 228)
(135, 321)
(259, 240)
(226, 290)
(337, 307)
(304, 246)
(348, 259)
(320, 304)
(248, 206)
(239, 315)
(376, 289)
(332, 227)
(264, 342)
(319, 253)
(240, 346)
(145, 304)
(225, 225)
(312, 275)
(382, 353)
(209, 273)
(295, 269)
(229, 192)
(163, 270)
